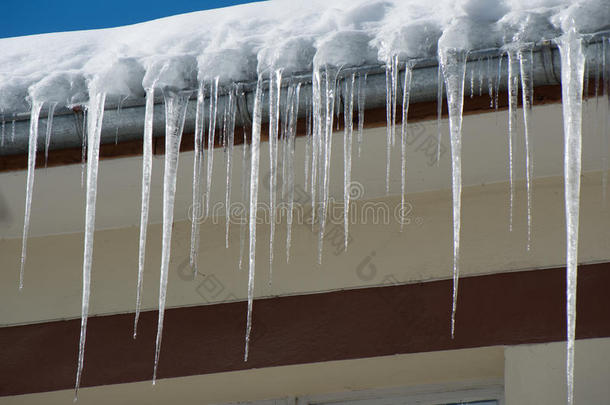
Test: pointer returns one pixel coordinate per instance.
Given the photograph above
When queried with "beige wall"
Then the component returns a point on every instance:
(535, 374)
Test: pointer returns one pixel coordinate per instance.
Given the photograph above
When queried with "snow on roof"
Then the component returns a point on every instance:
(236, 43)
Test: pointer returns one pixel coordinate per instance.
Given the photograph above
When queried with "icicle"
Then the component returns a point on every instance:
(472, 82)
(275, 83)
(244, 197)
(490, 83)
(147, 158)
(83, 149)
(513, 95)
(394, 96)
(348, 118)
(391, 90)
(480, 65)
(330, 85)
(197, 206)
(604, 135)
(439, 113)
(118, 117)
(175, 113)
(572, 52)
(230, 140)
(498, 77)
(453, 62)
(3, 136)
(307, 139)
(47, 138)
(32, 146)
(527, 93)
(94, 130)
(211, 141)
(403, 147)
(316, 138)
(361, 107)
(291, 135)
(282, 159)
(253, 203)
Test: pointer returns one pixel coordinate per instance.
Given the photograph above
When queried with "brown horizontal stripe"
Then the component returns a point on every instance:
(500, 309)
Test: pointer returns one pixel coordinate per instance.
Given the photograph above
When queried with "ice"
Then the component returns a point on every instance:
(176, 103)
(497, 82)
(453, 63)
(146, 178)
(348, 117)
(308, 129)
(97, 99)
(295, 91)
(275, 82)
(406, 91)
(513, 96)
(47, 138)
(211, 141)
(361, 108)
(472, 82)
(32, 145)
(527, 93)
(439, 112)
(572, 51)
(213, 50)
(197, 206)
(391, 71)
(245, 181)
(253, 204)
(118, 115)
(481, 75)
(490, 83)
(605, 127)
(327, 101)
(230, 140)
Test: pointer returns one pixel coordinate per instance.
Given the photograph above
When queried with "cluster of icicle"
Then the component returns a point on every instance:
(331, 88)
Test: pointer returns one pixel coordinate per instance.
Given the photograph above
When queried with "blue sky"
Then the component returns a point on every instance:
(40, 16)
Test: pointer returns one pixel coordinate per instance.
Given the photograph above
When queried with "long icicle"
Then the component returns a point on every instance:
(97, 100)
(316, 138)
(513, 95)
(361, 107)
(291, 134)
(253, 203)
(32, 147)
(275, 83)
(230, 140)
(330, 85)
(244, 197)
(47, 138)
(307, 140)
(571, 48)
(527, 94)
(453, 62)
(348, 118)
(439, 113)
(403, 144)
(175, 113)
(211, 142)
(197, 206)
(146, 178)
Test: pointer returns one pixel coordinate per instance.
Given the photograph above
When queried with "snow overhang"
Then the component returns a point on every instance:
(123, 124)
